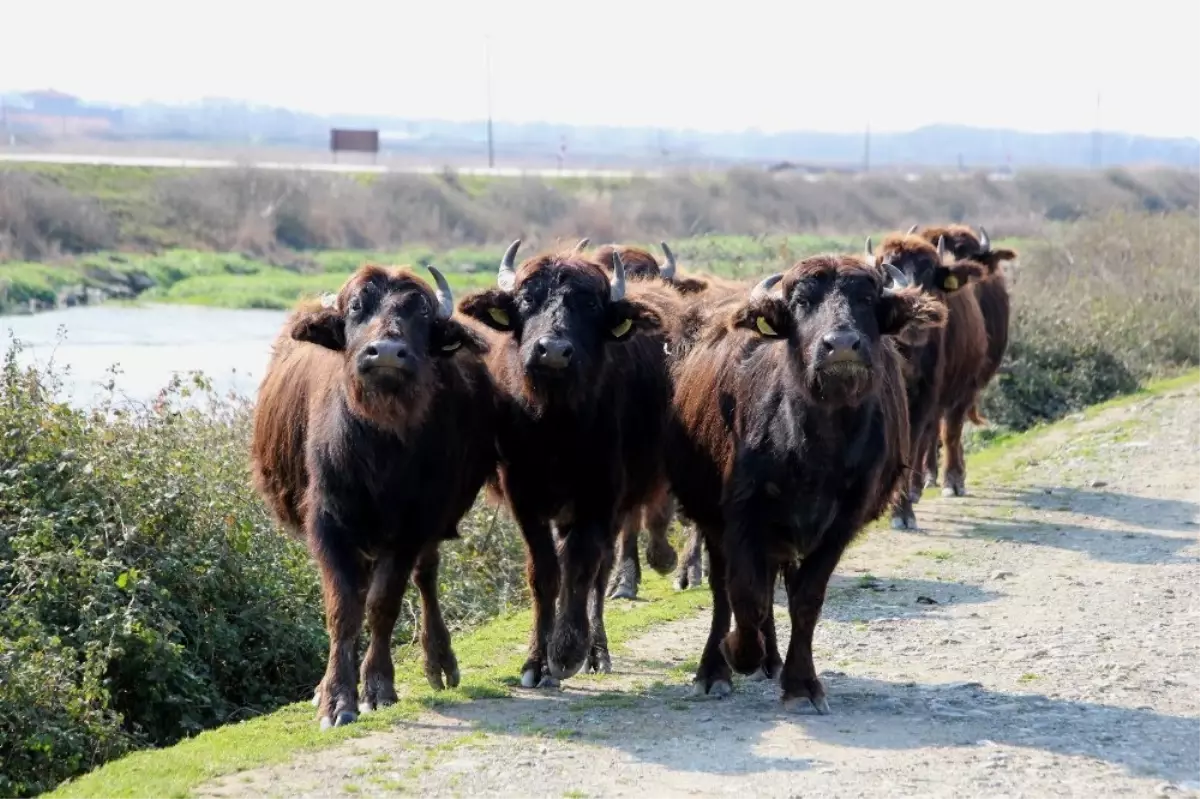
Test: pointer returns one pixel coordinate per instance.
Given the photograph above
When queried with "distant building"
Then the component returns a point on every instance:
(53, 113)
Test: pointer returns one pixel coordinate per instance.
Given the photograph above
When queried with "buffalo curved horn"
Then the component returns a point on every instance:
(616, 285)
(506, 278)
(445, 296)
(985, 243)
(583, 243)
(763, 289)
(942, 249)
(900, 280)
(870, 249)
(912, 230)
(668, 271)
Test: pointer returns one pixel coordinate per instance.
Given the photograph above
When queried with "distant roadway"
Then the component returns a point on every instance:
(314, 166)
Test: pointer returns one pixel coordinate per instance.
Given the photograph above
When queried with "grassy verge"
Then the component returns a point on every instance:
(489, 657)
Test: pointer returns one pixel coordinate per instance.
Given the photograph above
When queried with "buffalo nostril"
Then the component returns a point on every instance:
(371, 351)
(567, 351)
(540, 348)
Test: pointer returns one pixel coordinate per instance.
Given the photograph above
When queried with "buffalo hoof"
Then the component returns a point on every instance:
(661, 556)
(445, 664)
(904, 521)
(931, 480)
(599, 661)
(343, 718)
(799, 694)
(561, 671)
(548, 682)
(955, 487)
(626, 584)
(378, 691)
(765, 674)
(718, 690)
(689, 577)
(798, 704)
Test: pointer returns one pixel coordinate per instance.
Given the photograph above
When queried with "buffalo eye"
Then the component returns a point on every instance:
(356, 304)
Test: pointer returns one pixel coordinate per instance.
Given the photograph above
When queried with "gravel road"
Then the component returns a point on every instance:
(1036, 638)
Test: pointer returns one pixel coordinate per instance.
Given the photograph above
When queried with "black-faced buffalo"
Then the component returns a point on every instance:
(575, 352)
(790, 434)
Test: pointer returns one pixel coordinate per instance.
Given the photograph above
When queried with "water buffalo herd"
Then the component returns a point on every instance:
(598, 392)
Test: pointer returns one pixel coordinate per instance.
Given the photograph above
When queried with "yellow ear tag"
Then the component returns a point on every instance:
(498, 316)
(764, 327)
(452, 347)
(950, 283)
(622, 328)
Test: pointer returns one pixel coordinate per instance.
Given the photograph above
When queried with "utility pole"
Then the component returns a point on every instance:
(487, 50)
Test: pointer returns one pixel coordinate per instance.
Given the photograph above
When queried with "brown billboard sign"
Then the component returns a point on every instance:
(357, 141)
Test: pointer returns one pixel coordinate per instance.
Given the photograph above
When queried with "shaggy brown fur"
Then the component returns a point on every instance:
(994, 304)
(374, 463)
(791, 432)
(925, 361)
(580, 445)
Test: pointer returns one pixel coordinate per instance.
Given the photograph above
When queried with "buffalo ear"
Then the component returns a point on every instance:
(952, 278)
(325, 328)
(768, 317)
(494, 308)
(627, 317)
(910, 311)
(450, 337)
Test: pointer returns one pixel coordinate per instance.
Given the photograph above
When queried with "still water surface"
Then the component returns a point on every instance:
(149, 344)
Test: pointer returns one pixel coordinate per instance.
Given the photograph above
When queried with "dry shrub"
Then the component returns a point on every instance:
(39, 218)
(1103, 304)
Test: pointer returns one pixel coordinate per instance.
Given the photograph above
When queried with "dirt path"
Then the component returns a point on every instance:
(1038, 638)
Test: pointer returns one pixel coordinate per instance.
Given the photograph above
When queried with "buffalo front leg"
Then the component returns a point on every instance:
(343, 585)
(628, 574)
(542, 573)
(931, 459)
(599, 660)
(806, 586)
(956, 467)
(435, 637)
(389, 578)
(713, 677)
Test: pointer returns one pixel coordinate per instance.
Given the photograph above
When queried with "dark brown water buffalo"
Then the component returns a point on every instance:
(991, 293)
(937, 273)
(790, 434)
(576, 353)
(373, 434)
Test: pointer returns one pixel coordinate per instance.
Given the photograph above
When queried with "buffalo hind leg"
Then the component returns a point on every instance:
(772, 664)
(931, 459)
(690, 573)
(344, 586)
(908, 491)
(660, 555)
(806, 586)
(542, 573)
(435, 638)
(714, 677)
(628, 574)
(599, 661)
(956, 467)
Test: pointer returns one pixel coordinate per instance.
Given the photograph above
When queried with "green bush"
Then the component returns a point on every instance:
(145, 594)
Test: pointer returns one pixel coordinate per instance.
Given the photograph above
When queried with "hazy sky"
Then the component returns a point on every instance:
(829, 65)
